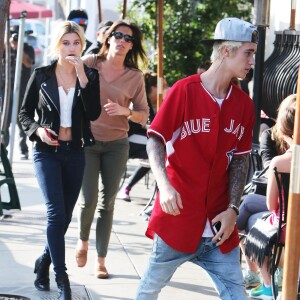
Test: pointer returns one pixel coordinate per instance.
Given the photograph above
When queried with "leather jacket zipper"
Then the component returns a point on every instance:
(46, 102)
(49, 99)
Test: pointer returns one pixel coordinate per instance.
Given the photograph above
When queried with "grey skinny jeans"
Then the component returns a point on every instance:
(108, 160)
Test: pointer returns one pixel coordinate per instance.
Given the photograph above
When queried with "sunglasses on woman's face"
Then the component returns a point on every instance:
(119, 35)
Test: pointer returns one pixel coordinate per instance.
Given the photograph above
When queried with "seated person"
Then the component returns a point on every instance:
(203, 66)
(284, 132)
(100, 34)
(265, 122)
(137, 135)
(254, 206)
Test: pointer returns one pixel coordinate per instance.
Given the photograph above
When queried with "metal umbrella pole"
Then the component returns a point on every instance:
(17, 84)
(99, 11)
(124, 9)
(262, 15)
(160, 74)
(7, 91)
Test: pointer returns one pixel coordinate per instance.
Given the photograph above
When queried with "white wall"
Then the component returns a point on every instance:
(109, 12)
(91, 8)
(280, 14)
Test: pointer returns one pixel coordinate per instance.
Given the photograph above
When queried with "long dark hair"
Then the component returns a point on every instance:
(284, 122)
(150, 81)
(136, 54)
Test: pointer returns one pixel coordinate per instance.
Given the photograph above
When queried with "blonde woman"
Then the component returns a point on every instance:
(65, 96)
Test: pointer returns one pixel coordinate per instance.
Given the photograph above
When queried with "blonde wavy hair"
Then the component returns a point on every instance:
(65, 28)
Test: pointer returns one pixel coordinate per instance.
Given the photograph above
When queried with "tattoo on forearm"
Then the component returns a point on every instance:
(157, 155)
(237, 179)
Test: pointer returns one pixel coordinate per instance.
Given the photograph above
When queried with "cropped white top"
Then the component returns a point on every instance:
(66, 102)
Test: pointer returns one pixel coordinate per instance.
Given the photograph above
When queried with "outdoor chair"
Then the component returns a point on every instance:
(255, 182)
(127, 173)
(257, 239)
(282, 180)
(255, 162)
(146, 211)
(135, 153)
(7, 177)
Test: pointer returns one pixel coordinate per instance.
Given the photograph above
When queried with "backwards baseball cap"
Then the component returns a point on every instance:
(234, 29)
(78, 16)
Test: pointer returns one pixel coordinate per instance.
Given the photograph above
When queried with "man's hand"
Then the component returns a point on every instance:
(170, 200)
(228, 220)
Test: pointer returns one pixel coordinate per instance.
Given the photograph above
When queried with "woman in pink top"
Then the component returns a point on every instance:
(123, 97)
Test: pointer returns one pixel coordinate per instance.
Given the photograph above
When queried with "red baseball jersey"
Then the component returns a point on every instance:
(201, 139)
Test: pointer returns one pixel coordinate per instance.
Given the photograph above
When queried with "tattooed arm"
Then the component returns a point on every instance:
(238, 175)
(170, 199)
(238, 169)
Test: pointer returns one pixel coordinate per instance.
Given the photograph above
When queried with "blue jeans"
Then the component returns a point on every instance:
(59, 175)
(253, 207)
(223, 269)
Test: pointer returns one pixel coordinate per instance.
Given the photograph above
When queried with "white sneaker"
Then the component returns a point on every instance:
(124, 195)
(251, 278)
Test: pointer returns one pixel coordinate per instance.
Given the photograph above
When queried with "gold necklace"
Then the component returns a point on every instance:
(66, 86)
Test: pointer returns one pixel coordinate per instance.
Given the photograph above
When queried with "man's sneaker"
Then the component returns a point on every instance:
(251, 278)
(262, 292)
(279, 276)
(124, 195)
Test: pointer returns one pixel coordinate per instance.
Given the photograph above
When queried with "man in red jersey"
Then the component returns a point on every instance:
(198, 148)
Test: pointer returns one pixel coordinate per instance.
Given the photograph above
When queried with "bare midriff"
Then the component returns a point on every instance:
(65, 134)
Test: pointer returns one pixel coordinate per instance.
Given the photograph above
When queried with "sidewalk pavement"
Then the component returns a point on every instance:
(22, 238)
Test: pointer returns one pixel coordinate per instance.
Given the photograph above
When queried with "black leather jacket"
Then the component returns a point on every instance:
(42, 97)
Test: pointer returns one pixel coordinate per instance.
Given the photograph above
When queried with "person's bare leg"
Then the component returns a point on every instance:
(265, 273)
(250, 264)
(251, 274)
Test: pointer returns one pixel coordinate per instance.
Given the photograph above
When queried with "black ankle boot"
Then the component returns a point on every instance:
(42, 264)
(64, 290)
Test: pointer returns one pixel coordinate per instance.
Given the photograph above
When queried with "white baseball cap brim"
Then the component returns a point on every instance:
(234, 29)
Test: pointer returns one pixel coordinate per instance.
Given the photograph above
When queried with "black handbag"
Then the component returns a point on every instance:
(260, 240)
(258, 184)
